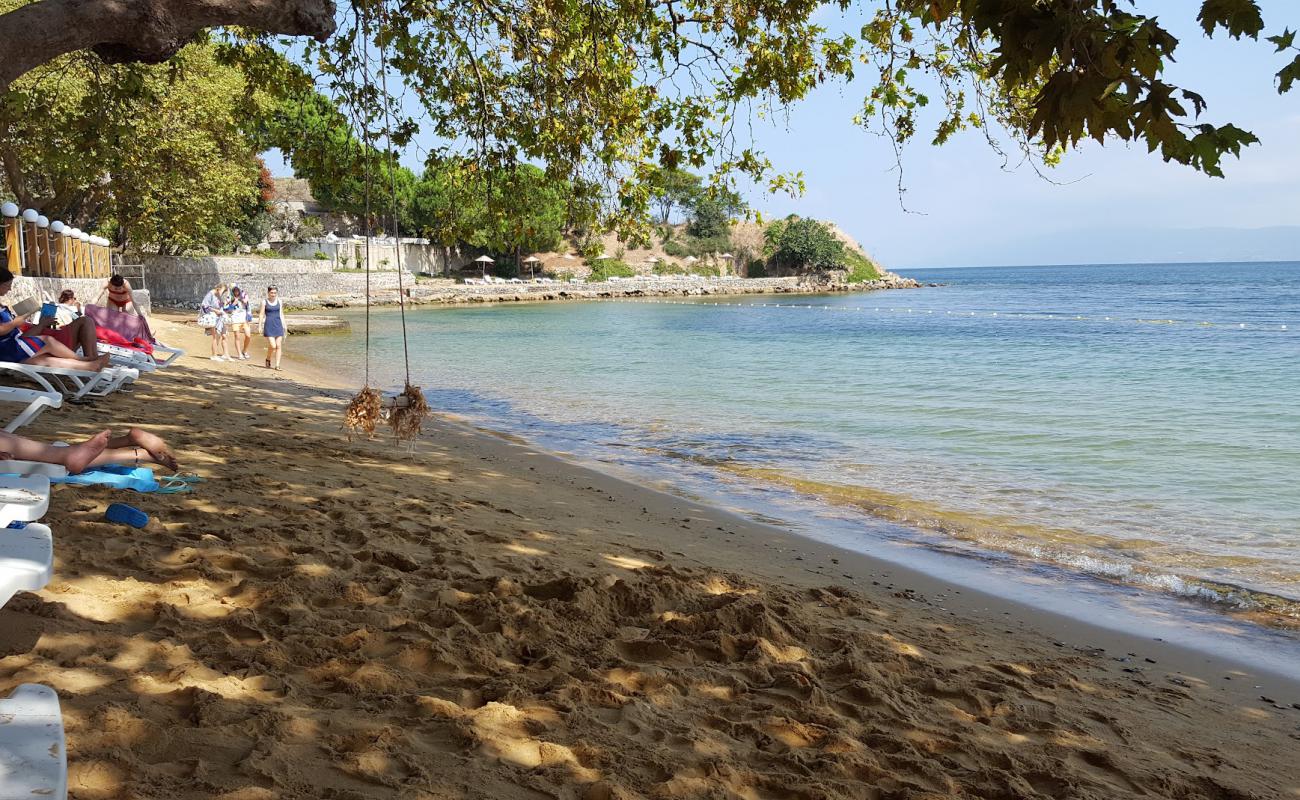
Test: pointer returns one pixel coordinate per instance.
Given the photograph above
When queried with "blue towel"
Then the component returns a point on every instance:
(140, 479)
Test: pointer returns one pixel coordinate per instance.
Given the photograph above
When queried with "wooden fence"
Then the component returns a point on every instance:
(35, 247)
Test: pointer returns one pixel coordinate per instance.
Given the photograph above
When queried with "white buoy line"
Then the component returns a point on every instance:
(998, 314)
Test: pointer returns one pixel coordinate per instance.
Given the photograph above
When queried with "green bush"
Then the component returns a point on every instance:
(607, 268)
(698, 247)
(677, 249)
(705, 270)
(802, 243)
(757, 268)
(319, 256)
(861, 268)
(668, 268)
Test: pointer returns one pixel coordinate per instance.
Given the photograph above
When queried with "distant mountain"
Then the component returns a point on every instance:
(1122, 246)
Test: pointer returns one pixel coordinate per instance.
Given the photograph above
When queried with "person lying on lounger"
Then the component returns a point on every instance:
(39, 350)
(134, 448)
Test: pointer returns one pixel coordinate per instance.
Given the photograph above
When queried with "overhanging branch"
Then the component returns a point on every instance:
(147, 31)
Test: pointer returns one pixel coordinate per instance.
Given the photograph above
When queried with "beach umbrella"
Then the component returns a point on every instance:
(483, 261)
(532, 261)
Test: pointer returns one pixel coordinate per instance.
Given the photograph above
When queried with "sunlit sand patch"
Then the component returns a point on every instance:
(717, 692)
(525, 550)
(903, 648)
(627, 562)
(95, 778)
(313, 570)
(783, 655)
(716, 585)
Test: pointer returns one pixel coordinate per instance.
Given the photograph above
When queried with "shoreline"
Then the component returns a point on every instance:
(945, 567)
(439, 292)
(485, 619)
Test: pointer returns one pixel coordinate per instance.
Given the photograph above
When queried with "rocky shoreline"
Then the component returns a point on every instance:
(440, 292)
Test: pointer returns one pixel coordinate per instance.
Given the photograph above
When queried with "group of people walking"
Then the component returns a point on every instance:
(227, 312)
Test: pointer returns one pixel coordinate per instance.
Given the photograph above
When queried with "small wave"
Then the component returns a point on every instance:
(1074, 551)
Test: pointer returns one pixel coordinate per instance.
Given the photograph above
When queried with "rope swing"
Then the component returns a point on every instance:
(406, 412)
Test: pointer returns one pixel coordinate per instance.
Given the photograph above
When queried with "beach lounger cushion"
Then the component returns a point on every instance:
(26, 561)
(33, 755)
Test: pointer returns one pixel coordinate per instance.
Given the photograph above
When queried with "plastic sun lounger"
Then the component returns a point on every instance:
(26, 562)
(33, 468)
(33, 753)
(23, 498)
(75, 384)
(35, 401)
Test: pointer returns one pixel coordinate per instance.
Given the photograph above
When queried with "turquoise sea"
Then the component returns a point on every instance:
(1133, 426)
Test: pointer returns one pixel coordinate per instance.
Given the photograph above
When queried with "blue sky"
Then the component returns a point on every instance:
(964, 209)
(973, 212)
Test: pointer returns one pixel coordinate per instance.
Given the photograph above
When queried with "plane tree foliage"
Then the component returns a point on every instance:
(148, 155)
(604, 93)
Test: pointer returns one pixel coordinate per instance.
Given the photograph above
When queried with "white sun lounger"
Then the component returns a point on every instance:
(26, 561)
(33, 468)
(34, 400)
(23, 498)
(33, 754)
(75, 384)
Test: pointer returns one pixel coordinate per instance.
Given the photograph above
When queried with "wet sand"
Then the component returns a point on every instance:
(478, 619)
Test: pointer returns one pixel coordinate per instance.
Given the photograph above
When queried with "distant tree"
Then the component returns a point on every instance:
(712, 211)
(800, 243)
(673, 189)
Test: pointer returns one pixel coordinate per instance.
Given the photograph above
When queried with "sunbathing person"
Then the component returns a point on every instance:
(80, 332)
(134, 448)
(41, 351)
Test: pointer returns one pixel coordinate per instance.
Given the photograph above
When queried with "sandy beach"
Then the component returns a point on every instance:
(325, 618)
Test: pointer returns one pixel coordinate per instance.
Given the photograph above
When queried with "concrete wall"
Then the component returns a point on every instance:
(87, 290)
(417, 254)
(183, 282)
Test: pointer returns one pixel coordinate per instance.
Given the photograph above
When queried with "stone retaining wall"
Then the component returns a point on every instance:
(444, 292)
(182, 282)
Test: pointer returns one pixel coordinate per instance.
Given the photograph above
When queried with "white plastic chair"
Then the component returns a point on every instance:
(33, 753)
(34, 402)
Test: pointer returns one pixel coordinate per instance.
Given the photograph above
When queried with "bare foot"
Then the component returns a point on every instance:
(157, 448)
(102, 362)
(79, 456)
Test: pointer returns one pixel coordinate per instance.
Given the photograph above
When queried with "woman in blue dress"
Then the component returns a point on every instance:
(271, 321)
(41, 351)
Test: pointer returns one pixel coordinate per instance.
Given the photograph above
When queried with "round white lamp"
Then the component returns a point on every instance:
(42, 221)
(83, 236)
(30, 215)
(9, 209)
(57, 227)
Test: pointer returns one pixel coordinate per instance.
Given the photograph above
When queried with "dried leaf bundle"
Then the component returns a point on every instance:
(408, 413)
(364, 412)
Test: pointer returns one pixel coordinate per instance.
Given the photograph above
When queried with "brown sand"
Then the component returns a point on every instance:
(325, 619)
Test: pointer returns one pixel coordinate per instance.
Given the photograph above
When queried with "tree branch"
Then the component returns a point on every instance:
(147, 31)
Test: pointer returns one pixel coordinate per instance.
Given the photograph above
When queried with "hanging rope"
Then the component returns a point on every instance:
(385, 22)
(409, 409)
(366, 409)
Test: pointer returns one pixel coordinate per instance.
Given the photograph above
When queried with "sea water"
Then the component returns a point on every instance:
(1136, 425)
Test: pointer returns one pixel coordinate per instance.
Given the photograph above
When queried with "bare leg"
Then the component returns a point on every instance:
(152, 443)
(53, 347)
(76, 458)
(84, 334)
(43, 359)
(277, 352)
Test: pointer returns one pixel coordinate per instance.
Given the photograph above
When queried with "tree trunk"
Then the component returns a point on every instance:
(147, 31)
